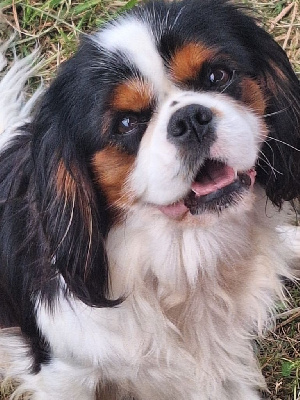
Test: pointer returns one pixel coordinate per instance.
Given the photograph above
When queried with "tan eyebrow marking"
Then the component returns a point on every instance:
(133, 95)
(188, 60)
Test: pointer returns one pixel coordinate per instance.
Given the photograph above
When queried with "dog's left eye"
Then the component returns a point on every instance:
(219, 77)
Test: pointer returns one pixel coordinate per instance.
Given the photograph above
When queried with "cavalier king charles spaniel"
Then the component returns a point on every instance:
(140, 200)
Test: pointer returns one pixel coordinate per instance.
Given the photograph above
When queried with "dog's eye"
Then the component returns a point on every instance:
(219, 77)
(128, 124)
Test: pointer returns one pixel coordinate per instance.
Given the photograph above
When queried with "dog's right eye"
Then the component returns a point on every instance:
(128, 124)
(128, 128)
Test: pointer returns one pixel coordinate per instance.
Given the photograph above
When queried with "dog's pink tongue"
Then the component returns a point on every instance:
(175, 211)
(216, 177)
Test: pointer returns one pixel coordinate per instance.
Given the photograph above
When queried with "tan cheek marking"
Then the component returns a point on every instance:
(112, 168)
(187, 61)
(252, 95)
(132, 95)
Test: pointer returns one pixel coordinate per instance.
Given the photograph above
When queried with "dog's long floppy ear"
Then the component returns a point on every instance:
(279, 164)
(74, 217)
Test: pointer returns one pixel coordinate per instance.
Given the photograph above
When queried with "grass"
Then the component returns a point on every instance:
(55, 25)
(282, 20)
(280, 352)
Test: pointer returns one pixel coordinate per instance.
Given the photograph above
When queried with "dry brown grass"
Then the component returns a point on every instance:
(56, 24)
(282, 20)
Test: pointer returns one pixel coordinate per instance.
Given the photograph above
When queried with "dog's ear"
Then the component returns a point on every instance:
(74, 214)
(75, 225)
(279, 163)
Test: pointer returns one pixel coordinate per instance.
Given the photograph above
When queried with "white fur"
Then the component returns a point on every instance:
(15, 109)
(290, 235)
(135, 40)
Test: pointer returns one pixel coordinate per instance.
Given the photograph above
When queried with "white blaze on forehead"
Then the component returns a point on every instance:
(135, 40)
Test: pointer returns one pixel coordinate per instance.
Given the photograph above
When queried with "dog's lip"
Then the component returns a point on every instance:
(210, 182)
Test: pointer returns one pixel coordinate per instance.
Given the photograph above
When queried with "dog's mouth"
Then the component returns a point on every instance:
(216, 187)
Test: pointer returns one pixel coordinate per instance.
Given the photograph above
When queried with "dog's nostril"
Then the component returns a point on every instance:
(180, 128)
(204, 116)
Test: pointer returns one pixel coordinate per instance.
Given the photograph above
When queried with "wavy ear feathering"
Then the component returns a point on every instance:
(47, 185)
(278, 167)
(74, 211)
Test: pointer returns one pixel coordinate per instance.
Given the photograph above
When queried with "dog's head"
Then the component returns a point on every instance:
(180, 108)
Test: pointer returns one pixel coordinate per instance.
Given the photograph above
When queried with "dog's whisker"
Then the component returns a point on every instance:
(266, 161)
(282, 142)
(276, 112)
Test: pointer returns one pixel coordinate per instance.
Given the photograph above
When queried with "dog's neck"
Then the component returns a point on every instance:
(174, 258)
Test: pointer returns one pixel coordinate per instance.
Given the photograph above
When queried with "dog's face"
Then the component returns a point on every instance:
(184, 124)
(185, 127)
(178, 108)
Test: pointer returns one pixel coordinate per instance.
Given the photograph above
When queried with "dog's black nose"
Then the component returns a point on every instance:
(192, 121)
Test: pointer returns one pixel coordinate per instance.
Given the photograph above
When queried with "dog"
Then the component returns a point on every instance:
(141, 196)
